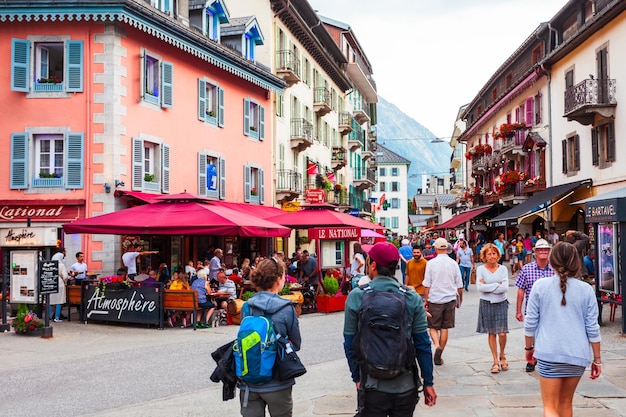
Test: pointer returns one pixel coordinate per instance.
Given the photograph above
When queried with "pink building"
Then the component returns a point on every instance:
(104, 102)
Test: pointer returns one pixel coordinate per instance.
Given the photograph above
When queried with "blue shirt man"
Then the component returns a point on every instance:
(406, 254)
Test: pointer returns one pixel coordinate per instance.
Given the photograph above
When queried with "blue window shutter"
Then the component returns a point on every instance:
(20, 65)
(19, 161)
(261, 122)
(246, 117)
(261, 186)
(222, 163)
(220, 107)
(137, 164)
(165, 168)
(202, 174)
(203, 104)
(75, 160)
(74, 65)
(167, 85)
(246, 183)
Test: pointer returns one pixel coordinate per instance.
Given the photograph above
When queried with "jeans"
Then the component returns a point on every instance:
(403, 270)
(57, 311)
(383, 404)
(466, 271)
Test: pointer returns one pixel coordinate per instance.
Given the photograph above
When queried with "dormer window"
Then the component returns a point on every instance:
(215, 16)
(242, 34)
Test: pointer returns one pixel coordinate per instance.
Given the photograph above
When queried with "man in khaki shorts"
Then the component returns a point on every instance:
(442, 285)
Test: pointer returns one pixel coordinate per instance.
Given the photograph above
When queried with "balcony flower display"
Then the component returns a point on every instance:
(531, 182)
(507, 130)
(478, 151)
(53, 79)
(508, 178)
(254, 192)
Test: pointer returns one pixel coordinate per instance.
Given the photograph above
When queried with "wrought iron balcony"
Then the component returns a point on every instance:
(479, 164)
(588, 98)
(321, 101)
(363, 178)
(338, 159)
(301, 135)
(337, 197)
(513, 194)
(355, 138)
(361, 112)
(540, 185)
(345, 123)
(288, 67)
(288, 185)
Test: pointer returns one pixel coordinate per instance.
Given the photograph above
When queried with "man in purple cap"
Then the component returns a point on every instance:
(442, 285)
(395, 394)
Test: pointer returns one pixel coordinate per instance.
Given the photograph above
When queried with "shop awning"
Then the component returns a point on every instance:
(178, 214)
(305, 219)
(539, 202)
(605, 208)
(462, 218)
(145, 197)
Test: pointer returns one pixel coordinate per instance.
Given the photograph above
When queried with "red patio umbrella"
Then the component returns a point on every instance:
(179, 214)
(305, 219)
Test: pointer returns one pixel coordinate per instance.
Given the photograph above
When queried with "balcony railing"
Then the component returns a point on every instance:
(301, 134)
(361, 111)
(339, 198)
(345, 123)
(479, 163)
(321, 101)
(289, 181)
(47, 182)
(49, 87)
(590, 93)
(288, 66)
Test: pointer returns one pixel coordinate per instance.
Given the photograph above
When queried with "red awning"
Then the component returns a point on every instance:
(305, 219)
(184, 217)
(462, 218)
(253, 209)
(145, 197)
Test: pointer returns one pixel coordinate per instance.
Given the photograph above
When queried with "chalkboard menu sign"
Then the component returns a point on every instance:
(49, 277)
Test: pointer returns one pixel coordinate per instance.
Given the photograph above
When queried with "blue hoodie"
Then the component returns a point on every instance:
(285, 323)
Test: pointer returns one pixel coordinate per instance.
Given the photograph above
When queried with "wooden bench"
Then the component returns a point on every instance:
(181, 301)
(73, 294)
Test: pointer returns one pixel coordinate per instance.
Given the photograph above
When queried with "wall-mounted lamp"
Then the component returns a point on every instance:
(107, 187)
(119, 183)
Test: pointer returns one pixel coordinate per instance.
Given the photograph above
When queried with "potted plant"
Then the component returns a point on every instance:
(26, 322)
(253, 128)
(148, 177)
(113, 282)
(332, 300)
(254, 192)
(211, 113)
(49, 175)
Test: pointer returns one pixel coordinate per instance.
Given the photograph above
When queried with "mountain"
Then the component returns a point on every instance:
(405, 136)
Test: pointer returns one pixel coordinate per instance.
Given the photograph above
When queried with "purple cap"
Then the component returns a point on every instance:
(384, 253)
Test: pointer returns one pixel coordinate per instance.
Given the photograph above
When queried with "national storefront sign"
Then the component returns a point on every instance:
(335, 233)
(44, 211)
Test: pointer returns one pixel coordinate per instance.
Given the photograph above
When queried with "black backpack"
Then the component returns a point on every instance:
(382, 343)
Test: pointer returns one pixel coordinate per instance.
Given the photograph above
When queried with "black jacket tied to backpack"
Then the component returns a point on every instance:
(378, 316)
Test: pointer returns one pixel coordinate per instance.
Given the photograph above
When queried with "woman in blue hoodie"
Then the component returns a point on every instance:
(269, 279)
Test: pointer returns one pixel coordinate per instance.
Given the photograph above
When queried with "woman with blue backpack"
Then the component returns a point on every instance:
(273, 394)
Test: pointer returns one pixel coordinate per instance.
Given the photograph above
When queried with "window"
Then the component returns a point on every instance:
(508, 80)
(395, 172)
(383, 221)
(569, 79)
(211, 176)
(253, 184)
(210, 103)
(382, 172)
(381, 186)
(395, 203)
(215, 15)
(538, 108)
(167, 6)
(151, 166)
(58, 160)
(395, 222)
(395, 186)
(47, 67)
(279, 103)
(157, 80)
(571, 154)
(603, 144)
(253, 120)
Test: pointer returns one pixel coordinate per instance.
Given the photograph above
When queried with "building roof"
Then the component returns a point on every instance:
(387, 156)
(420, 219)
(425, 200)
(445, 199)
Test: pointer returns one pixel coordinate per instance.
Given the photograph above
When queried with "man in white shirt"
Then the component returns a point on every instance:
(79, 269)
(442, 285)
(189, 269)
(215, 265)
(553, 236)
(129, 259)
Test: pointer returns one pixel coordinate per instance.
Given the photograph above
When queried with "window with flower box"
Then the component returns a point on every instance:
(47, 65)
(253, 184)
(151, 165)
(253, 119)
(211, 175)
(57, 159)
(210, 102)
(157, 80)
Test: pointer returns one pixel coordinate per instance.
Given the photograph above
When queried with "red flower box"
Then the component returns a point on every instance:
(330, 304)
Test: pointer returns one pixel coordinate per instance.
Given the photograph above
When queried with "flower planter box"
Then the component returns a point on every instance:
(330, 304)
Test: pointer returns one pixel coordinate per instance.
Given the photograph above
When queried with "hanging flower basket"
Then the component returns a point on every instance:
(507, 130)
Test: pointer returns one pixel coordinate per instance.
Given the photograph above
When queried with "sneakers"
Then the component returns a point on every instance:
(58, 320)
(184, 325)
(170, 322)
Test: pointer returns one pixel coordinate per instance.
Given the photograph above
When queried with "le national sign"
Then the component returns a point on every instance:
(335, 233)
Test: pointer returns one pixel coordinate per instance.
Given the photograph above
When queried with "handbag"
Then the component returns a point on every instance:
(288, 364)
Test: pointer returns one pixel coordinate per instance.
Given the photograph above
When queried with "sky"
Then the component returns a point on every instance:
(430, 57)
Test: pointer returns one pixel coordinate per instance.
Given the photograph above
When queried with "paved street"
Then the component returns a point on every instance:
(102, 370)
